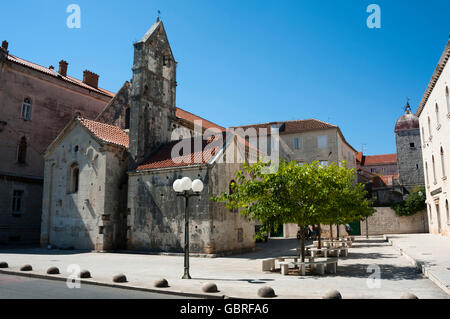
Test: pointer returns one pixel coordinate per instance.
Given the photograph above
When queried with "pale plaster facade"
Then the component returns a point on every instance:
(434, 118)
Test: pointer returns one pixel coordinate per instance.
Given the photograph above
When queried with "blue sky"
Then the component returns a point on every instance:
(253, 61)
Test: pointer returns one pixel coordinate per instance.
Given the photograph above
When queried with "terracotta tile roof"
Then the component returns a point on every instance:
(380, 159)
(162, 158)
(384, 180)
(55, 74)
(289, 127)
(187, 116)
(107, 133)
(359, 157)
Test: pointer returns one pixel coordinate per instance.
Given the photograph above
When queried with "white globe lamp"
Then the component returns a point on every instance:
(186, 183)
(197, 186)
(177, 186)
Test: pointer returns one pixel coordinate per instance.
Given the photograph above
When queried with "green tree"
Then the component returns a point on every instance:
(413, 204)
(305, 195)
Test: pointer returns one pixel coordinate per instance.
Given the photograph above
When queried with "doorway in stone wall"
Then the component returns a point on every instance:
(279, 232)
(355, 228)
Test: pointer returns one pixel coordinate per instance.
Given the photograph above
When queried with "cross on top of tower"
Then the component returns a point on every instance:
(407, 107)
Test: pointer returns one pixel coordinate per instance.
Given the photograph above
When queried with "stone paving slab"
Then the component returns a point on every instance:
(430, 253)
(240, 276)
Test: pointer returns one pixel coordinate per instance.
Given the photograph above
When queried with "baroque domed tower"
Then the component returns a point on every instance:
(409, 150)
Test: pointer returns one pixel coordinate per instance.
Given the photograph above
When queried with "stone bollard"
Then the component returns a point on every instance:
(332, 294)
(266, 292)
(3, 264)
(161, 283)
(26, 268)
(53, 271)
(120, 278)
(210, 287)
(85, 274)
(408, 295)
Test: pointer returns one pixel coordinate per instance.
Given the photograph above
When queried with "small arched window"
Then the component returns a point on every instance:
(434, 169)
(437, 114)
(26, 109)
(443, 162)
(423, 135)
(166, 60)
(127, 118)
(22, 151)
(73, 178)
(429, 127)
(447, 98)
(427, 178)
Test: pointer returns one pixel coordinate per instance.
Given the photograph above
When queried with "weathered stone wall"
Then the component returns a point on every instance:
(116, 192)
(74, 219)
(385, 221)
(409, 159)
(230, 231)
(157, 214)
(114, 112)
(153, 94)
(156, 220)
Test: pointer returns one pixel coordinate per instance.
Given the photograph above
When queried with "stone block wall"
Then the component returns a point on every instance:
(386, 221)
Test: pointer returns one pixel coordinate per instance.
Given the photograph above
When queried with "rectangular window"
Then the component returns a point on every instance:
(26, 110)
(321, 141)
(411, 145)
(17, 203)
(297, 143)
(324, 163)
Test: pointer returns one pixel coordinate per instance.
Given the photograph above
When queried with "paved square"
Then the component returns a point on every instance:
(241, 275)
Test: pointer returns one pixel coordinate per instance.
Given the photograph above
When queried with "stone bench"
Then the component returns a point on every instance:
(268, 264)
(338, 251)
(317, 265)
(314, 251)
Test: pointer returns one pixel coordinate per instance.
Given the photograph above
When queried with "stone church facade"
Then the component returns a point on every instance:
(108, 182)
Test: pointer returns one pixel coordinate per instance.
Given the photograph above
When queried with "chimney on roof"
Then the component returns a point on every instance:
(90, 78)
(63, 67)
(5, 45)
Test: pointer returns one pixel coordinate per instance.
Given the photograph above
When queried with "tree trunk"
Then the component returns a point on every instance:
(319, 233)
(331, 231)
(302, 242)
(337, 231)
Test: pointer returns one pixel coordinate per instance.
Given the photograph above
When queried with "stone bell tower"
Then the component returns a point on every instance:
(409, 150)
(153, 93)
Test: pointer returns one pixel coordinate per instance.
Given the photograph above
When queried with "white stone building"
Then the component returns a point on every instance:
(434, 118)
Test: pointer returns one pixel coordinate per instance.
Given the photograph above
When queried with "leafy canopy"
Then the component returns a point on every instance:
(303, 194)
(413, 204)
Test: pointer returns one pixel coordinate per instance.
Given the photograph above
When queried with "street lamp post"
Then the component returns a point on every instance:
(187, 188)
